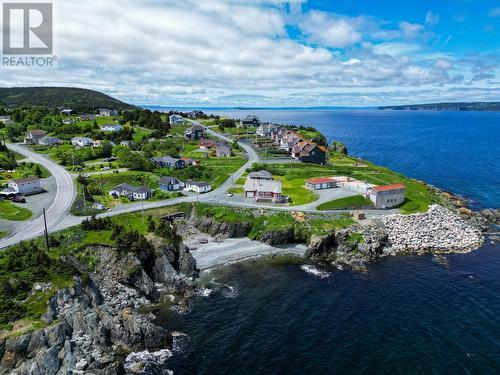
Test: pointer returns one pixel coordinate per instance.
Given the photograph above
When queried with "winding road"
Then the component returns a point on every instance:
(58, 210)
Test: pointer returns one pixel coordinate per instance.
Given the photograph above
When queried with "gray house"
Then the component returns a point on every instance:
(168, 183)
(34, 136)
(195, 132)
(49, 141)
(168, 162)
(223, 151)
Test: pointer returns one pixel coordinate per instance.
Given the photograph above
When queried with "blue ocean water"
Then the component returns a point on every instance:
(406, 315)
(456, 151)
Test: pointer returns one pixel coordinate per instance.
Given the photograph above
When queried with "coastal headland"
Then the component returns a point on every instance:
(83, 298)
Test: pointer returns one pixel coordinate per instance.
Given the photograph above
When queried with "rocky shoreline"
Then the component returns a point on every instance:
(94, 327)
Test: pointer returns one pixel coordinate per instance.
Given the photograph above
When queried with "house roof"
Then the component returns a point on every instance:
(184, 158)
(165, 159)
(320, 180)
(389, 187)
(26, 179)
(130, 188)
(260, 174)
(165, 180)
(37, 132)
(48, 139)
(197, 128)
(273, 186)
(197, 183)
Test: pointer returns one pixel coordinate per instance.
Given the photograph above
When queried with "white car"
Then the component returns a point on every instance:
(229, 195)
(105, 169)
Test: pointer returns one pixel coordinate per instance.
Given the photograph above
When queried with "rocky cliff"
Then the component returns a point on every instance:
(92, 326)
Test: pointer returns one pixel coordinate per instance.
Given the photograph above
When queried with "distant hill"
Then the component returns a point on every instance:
(54, 97)
(476, 106)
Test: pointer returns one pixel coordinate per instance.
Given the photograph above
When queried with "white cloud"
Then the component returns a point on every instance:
(192, 51)
(330, 31)
(411, 30)
(431, 18)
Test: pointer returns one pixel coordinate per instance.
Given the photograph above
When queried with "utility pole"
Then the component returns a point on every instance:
(84, 199)
(102, 191)
(142, 209)
(46, 231)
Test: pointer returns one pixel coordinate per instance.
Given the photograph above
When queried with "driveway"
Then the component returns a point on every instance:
(57, 210)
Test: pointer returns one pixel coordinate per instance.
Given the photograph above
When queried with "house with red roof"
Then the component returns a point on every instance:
(387, 196)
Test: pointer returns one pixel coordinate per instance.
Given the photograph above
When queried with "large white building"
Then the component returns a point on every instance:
(198, 187)
(28, 185)
(387, 196)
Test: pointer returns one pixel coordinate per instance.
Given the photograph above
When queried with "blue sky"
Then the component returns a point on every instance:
(275, 52)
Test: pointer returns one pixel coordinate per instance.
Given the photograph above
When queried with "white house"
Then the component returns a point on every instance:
(111, 128)
(132, 192)
(5, 119)
(126, 143)
(176, 120)
(387, 196)
(266, 130)
(198, 187)
(82, 141)
(28, 185)
(262, 190)
(107, 112)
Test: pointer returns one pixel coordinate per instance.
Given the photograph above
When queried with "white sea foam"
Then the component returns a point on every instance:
(314, 271)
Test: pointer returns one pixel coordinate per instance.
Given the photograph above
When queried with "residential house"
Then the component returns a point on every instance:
(132, 192)
(198, 186)
(126, 143)
(67, 112)
(207, 144)
(266, 130)
(88, 117)
(34, 136)
(260, 175)
(289, 140)
(168, 183)
(321, 183)
(107, 112)
(309, 152)
(387, 196)
(168, 162)
(27, 186)
(187, 161)
(195, 114)
(264, 190)
(111, 128)
(176, 120)
(82, 142)
(194, 133)
(250, 121)
(278, 135)
(49, 141)
(223, 151)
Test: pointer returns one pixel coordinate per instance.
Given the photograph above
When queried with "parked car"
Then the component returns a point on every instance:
(18, 200)
(116, 171)
(86, 175)
(105, 168)
(229, 194)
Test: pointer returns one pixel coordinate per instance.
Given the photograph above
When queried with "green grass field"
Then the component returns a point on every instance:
(9, 211)
(354, 201)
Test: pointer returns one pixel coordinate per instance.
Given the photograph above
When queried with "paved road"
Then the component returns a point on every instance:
(58, 210)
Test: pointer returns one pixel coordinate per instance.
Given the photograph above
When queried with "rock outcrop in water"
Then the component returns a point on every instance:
(94, 325)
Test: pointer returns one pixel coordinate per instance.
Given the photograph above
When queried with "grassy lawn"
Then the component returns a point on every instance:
(3, 234)
(354, 201)
(9, 211)
(295, 189)
(25, 170)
